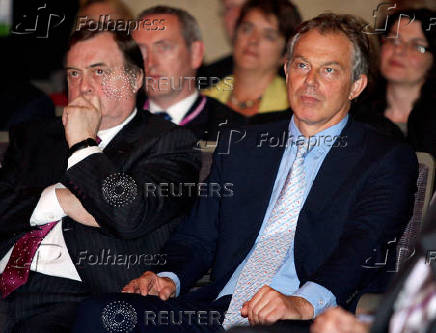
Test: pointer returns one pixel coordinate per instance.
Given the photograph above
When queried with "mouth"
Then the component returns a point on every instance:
(395, 63)
(250, 53)
(307, 99)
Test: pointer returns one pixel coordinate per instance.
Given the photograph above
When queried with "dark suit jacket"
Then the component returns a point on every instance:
(361, 198)
(213, 118)
(426, 243)
(150, 150)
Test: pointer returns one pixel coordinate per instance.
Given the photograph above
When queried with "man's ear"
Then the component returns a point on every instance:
(139, 78)
(197, 53)
(358, 86)
(286, 68)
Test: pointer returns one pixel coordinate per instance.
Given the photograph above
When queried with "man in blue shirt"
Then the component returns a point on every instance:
(311, 200)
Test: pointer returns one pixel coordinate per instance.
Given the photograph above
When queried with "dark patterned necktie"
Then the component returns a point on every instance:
(164, 115)
(17, 270)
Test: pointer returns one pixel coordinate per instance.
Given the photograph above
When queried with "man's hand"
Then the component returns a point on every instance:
(73, 207)
(336, 320)
(81, 119)
(268, 305)
(151, 284)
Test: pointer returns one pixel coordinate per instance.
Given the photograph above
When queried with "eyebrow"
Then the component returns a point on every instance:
(324, 64)
(99, 64)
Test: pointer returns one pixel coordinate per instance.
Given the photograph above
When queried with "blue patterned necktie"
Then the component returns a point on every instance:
(273, 244)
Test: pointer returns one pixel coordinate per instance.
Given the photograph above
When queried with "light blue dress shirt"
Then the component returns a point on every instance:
(286, 280)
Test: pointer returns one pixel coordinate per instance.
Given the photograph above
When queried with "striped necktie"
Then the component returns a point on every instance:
(273, 244)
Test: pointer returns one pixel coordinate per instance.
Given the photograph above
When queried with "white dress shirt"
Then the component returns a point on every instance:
(52, 257)
(177, 111)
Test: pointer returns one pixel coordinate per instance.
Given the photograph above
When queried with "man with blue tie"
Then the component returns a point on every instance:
(311, 200)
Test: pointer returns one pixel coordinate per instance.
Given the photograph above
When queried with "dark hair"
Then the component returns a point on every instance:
(425, 18)
(351, 26)
(133, 61)
(286, 13)
(189, 25)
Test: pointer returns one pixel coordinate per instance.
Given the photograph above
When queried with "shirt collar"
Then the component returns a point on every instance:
(178, 110)
(108, 134)
(323, 140)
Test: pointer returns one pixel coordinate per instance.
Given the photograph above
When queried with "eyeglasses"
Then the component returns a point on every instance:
(413, 47)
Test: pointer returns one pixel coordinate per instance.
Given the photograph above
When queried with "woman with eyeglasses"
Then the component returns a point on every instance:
(406, 93)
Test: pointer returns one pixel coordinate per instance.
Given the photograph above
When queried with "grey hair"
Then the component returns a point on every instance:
(190, 29)
(351, 26)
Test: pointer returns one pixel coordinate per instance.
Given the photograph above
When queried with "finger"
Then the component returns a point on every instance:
(255, 301)
(80, 102)
(165, 293)
(145, 286)
(130, 287)
(269, 315)
(263, 307)
(95, 102)
(244, 310)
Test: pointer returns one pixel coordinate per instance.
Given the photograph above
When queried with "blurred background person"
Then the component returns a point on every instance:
(405, 93)
(259, 44)
(171, 59)
(224, 66)
(93, 9)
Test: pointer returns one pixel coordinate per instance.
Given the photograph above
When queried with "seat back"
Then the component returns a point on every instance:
(4, 142)
(425, 182)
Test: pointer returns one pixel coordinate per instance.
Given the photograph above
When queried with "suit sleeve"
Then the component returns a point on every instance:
(379, 214)
(147, 191)
(191, 250)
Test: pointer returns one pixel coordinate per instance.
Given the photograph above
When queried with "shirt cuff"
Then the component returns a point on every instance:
(320, 297)
(48, 208)
(82, 154)
(173, 277)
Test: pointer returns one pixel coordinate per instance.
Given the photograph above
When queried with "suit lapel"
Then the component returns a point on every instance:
(266, 162)
(194, 106)
(336, 168)
(119, 148)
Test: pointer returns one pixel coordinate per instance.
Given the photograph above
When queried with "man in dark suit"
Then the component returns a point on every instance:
(409, 306)
(311, 199)
(172, 47)
(81, 206)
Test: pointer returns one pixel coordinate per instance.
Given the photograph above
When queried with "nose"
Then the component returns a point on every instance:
(149, 61)
(311, 78)
(400, 47)
(87, 85)
(253, 38)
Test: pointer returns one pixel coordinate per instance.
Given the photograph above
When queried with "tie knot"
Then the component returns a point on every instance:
(303, 147)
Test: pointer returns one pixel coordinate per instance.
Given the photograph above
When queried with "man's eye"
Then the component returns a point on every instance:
(329, 70)
(99, 71)
(73, 74)
(301, 65)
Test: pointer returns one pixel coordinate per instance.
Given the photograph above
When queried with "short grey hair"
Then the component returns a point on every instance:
(351, 26)
(190, 28)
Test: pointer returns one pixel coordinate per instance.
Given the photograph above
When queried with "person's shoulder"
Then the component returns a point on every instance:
(378, 143)
(38, 128)
(246, 136)
(155, 126)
